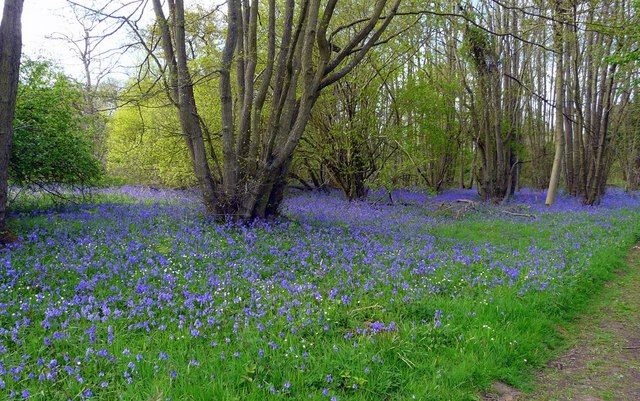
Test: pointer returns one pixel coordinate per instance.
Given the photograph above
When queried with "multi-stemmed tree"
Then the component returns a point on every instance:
(265, 111)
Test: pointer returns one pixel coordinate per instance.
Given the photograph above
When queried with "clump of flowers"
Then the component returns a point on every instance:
(373, 328)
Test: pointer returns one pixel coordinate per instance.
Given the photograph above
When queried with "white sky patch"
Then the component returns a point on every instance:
(43, 20)
(40, 20)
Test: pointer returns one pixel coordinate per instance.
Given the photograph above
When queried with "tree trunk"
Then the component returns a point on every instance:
(258, 143)
(559, 106)
(10, 52)
(182, 96)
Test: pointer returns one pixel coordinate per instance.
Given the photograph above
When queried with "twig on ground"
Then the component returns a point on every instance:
(532, 216)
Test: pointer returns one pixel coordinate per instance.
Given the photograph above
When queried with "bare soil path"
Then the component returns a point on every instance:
(603, 359)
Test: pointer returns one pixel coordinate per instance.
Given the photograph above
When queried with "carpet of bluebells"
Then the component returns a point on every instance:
(136, 295)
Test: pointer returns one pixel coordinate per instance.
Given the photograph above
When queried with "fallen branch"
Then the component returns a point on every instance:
(532, 216)
(467, 201)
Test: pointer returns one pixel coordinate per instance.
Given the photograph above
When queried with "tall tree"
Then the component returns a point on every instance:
(558, 34)
(265, 112)
(10, 51)
(349, 133)
(87, 44)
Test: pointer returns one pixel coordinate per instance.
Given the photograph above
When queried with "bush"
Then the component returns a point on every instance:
(51, 144)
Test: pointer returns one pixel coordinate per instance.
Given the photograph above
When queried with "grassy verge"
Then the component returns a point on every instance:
(601, 356)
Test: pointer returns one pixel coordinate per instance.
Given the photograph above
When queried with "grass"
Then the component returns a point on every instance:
(602, 360)
(308, 348)
(518, 235)
(28, 202)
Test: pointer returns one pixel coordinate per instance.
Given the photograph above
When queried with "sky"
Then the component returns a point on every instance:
(44, 20)
(40, 20)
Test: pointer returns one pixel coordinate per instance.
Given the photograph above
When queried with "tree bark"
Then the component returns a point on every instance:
(10, 52)
(181, 92)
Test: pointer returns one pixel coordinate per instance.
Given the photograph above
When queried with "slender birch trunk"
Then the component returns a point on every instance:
(559, 105)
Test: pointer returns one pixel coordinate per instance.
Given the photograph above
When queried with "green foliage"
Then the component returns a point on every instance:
(51, 145)
(144, 138)
(146, 147)
(632, 30)
(431, 142)
(433, 103)
(346, 135)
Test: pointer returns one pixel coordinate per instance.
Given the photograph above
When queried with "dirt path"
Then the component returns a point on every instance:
(603, 360)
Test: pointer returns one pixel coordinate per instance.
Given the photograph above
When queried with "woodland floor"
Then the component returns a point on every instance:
(135, 295)
(602, 361)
